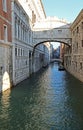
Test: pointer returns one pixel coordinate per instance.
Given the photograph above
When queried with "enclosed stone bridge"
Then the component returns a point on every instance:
(60, 34)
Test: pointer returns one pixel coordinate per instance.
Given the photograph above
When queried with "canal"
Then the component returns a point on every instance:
(48, 100)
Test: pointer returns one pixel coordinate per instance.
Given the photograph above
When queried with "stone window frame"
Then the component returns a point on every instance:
(18, 51)
(4, 3)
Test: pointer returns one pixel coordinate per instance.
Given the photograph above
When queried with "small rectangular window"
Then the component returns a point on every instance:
(80, 65)
(77, 44)
(4, 2)
(76, 64)
(5, 33)
(16, 52)
(1, 70)
(21, 52)
(59, 31)
(82, 43)
(82, 25)
(77, 29)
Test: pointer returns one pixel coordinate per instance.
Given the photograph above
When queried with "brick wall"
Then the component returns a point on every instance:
(5, 19)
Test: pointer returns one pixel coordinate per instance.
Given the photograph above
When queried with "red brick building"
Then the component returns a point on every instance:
(5, 20)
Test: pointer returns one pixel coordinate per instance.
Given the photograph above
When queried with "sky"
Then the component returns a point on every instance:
(63, 9)
(66, 9)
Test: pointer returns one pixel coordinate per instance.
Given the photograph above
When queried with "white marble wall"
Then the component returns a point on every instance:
(22, 43)
(23, 62)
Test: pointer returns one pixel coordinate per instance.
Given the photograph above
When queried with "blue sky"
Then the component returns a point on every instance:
(67, 9)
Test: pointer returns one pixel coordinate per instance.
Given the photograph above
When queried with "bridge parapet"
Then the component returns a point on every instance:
(61, 34)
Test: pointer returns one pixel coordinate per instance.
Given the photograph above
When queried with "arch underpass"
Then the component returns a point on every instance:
(58, 32)
(34, 47)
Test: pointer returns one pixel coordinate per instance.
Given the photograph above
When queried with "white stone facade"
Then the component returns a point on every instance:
(21, 39)
(24, 63)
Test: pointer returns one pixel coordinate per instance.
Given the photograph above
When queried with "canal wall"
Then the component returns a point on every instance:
(76, 75)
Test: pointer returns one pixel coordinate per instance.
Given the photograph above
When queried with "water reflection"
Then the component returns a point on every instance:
(49, 100)
(4, 109)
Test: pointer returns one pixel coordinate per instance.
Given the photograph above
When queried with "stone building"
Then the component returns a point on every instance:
(21, 40)
(74, 55)
(5, 45)
(62, 46)
(24, 15)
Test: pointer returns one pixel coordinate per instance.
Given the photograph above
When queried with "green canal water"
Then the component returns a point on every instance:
(48, 100)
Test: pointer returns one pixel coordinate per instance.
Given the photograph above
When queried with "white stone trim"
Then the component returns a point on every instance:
(3, 43)
(5, 20)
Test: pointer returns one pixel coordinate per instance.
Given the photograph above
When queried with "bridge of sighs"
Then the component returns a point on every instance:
(51, 31)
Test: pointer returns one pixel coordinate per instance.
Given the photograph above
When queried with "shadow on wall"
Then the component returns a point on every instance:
(5, 82)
